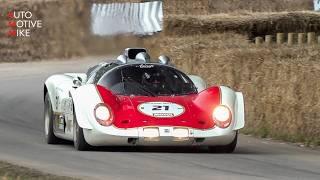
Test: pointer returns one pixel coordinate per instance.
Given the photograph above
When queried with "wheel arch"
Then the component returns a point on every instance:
(49, 88)
(234, 100)
(239, 111)
(83, 103)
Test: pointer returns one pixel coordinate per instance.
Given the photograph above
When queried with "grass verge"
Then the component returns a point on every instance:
(10, 172)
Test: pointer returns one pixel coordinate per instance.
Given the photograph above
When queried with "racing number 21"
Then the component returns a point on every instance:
(159, 108)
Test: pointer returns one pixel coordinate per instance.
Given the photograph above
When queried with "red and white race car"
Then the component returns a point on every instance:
(132, 101)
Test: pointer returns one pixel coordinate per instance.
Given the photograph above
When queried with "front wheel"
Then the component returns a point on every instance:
(79, 141)
(50, 138)
(229, 148)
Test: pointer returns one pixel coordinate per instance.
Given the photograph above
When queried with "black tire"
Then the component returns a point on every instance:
(229, 148)
(79, 141)
(50, 138)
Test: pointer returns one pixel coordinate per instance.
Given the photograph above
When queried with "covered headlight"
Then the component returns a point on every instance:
(222, 116)
(103, 115)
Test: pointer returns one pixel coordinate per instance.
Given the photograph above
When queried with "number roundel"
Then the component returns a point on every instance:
(161, 109)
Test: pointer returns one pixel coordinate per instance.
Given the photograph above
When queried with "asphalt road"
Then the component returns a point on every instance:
(22, 142)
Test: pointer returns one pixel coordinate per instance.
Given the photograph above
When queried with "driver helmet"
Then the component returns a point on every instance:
(154, 80)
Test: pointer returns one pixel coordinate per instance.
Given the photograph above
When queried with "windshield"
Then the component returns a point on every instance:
(147, 80)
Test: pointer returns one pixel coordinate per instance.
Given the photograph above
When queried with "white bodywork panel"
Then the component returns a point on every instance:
(198, 82)
(239, 111)
(85, 99)
(58, 87)
(234, 100)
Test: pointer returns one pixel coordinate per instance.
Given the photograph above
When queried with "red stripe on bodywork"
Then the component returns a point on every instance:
(198, 109)
(108, 98)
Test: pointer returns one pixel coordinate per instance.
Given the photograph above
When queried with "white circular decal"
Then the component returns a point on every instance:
(161, 109)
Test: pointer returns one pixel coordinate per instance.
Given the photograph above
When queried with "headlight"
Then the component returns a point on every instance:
(222, 116)
(103, 115)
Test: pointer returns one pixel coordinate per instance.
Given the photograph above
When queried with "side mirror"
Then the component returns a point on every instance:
(77, 82)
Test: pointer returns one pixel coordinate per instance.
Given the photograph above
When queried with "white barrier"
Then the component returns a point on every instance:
(316, 5)
(122, 18)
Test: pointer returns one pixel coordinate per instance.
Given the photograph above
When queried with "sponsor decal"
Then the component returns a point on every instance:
(161, 109)
(146, 66)
(163, 115)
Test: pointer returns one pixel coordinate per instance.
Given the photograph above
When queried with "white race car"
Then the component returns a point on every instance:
(133, 102)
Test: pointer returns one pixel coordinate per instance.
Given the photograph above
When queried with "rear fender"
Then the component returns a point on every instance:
(198, 82)
(85, 99)
(57, 86)
(235, 101)
(239, 111)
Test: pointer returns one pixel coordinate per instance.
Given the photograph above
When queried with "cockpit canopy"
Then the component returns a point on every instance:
(147, 80)
(138, 57)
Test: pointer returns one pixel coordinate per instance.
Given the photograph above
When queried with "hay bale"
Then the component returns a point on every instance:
(268, 39)
(291, 38)
(252, 24)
